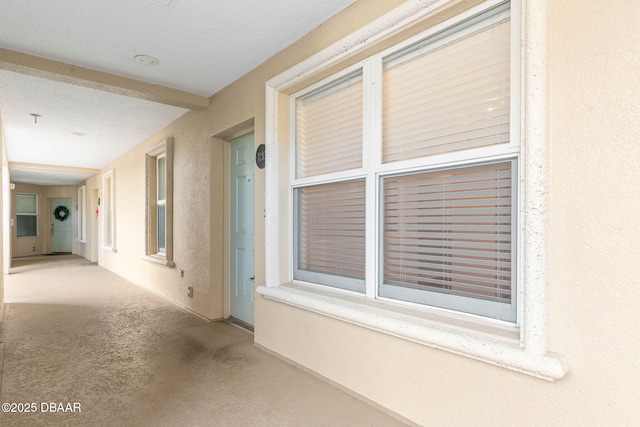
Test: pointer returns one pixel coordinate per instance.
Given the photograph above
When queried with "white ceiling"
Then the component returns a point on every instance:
(202, 46)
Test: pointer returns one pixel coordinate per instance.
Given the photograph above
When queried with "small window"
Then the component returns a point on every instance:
(108, 209)
(27, 215)
(82, 213)
(159, 201)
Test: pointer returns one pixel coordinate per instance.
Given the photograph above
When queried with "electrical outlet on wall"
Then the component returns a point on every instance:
(190, 292)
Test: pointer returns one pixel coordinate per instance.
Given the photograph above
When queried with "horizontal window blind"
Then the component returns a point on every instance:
(329, 129)
(448, 98)
(450, 231)
(331, 231)
(161, 177)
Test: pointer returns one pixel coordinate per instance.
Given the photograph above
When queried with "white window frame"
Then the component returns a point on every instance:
(523, 348)
(375, 170)
(161, 250)
(109, 210)
(82, 214)
(162, 149)
(29, 214)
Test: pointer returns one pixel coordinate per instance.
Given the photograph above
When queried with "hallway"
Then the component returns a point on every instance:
(75, 333)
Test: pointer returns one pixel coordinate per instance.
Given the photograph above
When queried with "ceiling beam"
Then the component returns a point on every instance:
(72, 74)
(52, 168)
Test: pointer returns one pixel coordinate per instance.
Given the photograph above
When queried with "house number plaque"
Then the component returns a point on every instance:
(260, 156)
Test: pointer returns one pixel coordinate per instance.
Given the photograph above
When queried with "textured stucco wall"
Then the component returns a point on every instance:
(194, 156)
(594, 54)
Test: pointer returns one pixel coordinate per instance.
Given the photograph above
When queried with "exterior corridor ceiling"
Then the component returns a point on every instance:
(72, 97)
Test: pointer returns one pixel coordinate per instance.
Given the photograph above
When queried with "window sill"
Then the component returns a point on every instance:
(494, 344)
(159, 260)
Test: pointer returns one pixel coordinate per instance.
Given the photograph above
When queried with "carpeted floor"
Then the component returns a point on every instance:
(102, 352)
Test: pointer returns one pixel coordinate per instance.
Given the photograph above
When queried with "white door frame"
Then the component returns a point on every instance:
(229, 199)
(53, 203)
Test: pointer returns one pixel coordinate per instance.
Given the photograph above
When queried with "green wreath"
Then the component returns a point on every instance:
(61, 213)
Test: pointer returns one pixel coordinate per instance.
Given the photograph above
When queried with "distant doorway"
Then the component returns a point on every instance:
(61, 220)
(241, 269)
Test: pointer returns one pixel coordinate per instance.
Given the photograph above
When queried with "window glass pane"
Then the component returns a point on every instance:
(329, 129)
(27, 225)
(82, 213)
(108, 212)
(450, 95)
(449, 232)
(26, 203)
(161, 229)
(161, 178)
(331, 234)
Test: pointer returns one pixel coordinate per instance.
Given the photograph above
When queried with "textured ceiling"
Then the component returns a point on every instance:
(202, 46)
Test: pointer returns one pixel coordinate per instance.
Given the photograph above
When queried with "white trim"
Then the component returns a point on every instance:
(531, 356)
(159, 260)
(535, 202)
(379, 316)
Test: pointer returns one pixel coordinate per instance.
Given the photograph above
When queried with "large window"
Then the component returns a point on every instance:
(422, 165)
(455, 209)
(27, 215)
(159, 203)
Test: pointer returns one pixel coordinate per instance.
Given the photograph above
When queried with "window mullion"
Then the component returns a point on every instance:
(372, 75)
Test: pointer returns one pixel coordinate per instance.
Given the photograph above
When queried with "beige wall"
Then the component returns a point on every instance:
(195, 159)
(593, 247)
(24, 246)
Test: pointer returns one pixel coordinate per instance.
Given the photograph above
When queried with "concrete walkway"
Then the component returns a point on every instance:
(83, 347)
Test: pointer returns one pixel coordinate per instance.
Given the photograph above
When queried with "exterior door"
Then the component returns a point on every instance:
(61, 225)
(241, 273)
